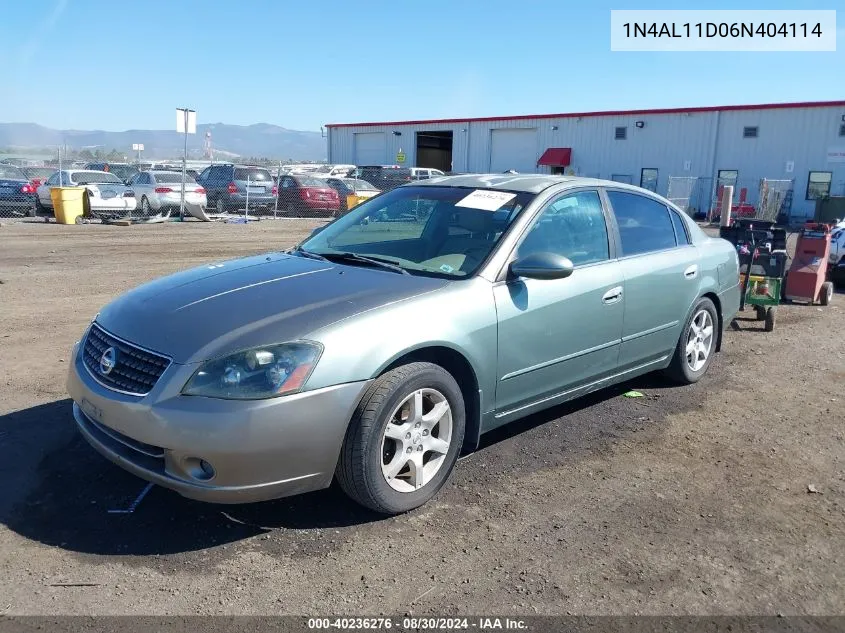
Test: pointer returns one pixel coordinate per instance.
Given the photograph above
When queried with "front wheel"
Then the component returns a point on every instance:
(404, 439)
(696, 345)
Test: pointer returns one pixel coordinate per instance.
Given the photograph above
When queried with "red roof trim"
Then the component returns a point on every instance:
(569, 115)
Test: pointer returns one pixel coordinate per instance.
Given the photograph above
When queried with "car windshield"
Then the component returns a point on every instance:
(359, 185)
(439, 231)
(312, 182)
(124, 172)
(172, 177)
(94, 177)
(254, 175)
(11, 172)
(39, 172)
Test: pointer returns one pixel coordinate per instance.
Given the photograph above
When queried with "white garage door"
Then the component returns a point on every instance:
(370, 148)
(514, 149)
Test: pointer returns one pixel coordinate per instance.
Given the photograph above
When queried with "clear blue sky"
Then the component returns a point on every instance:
(92, 64)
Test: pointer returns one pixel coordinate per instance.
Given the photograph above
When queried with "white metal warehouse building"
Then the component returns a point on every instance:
(801, 145)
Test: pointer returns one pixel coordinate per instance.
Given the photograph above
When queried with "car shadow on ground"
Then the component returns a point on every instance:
(58, 491)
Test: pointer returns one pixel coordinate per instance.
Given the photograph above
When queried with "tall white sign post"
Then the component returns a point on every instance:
(186, 123)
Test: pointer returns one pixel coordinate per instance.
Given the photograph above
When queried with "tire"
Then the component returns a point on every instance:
(291, 210)
(391, 488)
(220, 207)
(771, 317)
(761, 312)
(826, 293)
(31, 212)
(687, 371)
(146, 210)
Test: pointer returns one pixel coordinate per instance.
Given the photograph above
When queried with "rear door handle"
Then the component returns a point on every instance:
(613, 295)
(691, 272)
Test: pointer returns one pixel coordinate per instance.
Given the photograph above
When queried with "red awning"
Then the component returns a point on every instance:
(556, 157)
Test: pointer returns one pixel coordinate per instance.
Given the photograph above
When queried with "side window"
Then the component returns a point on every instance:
(204, 173)
(53, 180)
(287, 183)
(644, 223)
(572, 226)
(681, 233)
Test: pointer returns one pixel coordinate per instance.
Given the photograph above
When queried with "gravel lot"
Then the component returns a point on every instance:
(691, 500)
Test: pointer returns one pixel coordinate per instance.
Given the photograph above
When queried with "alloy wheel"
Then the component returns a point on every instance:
(699, 340)
(416, 440)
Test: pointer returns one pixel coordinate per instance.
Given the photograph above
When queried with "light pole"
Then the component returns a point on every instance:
(186, 122)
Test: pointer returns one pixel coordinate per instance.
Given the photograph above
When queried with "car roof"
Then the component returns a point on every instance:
(528, 183)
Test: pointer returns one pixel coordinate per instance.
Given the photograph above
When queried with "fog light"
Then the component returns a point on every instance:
(199, 468)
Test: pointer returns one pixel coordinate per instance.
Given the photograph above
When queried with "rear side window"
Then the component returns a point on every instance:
(644, 224)
(255, 175)
(681, 234)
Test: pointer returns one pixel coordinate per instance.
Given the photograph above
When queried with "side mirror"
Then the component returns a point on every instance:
(542, 266)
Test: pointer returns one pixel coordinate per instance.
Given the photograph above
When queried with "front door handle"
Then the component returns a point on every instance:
(613, 295)
(691, 272)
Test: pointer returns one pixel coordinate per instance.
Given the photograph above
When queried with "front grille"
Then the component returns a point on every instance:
(135, 370)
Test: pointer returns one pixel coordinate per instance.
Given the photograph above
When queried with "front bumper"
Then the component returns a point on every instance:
(259, 449)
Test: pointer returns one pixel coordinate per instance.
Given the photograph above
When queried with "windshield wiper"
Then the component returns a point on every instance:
(366, 259)
(309, 254)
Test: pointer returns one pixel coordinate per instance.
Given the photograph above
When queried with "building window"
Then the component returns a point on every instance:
(749, 132)
(621, 133)
(818, 184)
(648, 179)
(842, 130)
(624, 178)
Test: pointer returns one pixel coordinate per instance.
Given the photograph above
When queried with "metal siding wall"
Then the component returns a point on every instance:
(802, 136)
(709, 140)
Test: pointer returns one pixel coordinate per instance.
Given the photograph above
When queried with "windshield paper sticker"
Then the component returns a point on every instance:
(486, 199)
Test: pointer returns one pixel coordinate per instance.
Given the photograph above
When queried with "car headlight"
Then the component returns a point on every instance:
(256, 374)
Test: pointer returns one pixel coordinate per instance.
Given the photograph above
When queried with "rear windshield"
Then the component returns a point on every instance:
(39, 172)
(94, 177)
(360, 185)
(12, 172)
(312, 182)
(172, 177)
(123, 171)
(254, 175)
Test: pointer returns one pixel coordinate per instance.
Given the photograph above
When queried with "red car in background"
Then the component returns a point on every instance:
(303, 195)
(38, 175)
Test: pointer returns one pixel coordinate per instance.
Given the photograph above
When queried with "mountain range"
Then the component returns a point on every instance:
(259, 140)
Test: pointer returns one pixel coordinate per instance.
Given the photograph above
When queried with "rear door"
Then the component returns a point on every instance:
(662, 278)
(560, 338)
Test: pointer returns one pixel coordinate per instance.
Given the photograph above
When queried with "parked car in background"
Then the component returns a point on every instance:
(38, 175)
(160, 192)
(423, 173)
(381, 353)
(108, 196)
(124, 171)
(352, 191)
(384, 177)
(304, 195)
(228, 187)
(17, 194)
(333, 171)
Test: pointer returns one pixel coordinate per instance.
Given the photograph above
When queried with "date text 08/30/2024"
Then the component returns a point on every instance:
(418, 624)
(721, 29)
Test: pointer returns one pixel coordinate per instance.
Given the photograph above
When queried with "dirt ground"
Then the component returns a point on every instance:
(690, 500)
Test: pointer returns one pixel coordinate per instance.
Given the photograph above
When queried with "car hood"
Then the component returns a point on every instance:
(228, 306)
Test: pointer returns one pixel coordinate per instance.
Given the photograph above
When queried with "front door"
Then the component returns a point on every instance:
(560, 338)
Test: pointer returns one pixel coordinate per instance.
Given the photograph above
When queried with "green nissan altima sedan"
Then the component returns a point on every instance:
(384, 345)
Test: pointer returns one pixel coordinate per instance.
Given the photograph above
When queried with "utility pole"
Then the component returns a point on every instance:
(186, 122)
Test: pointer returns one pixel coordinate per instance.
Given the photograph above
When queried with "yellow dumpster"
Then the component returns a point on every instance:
(68, 203)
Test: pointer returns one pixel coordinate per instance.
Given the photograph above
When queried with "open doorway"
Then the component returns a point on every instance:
(434, 150)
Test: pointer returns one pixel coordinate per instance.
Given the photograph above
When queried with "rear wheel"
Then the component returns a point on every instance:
(696, 345)
(826, 293)
(221, 208)
(146, 210)
(403, 440)
(761, 312)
